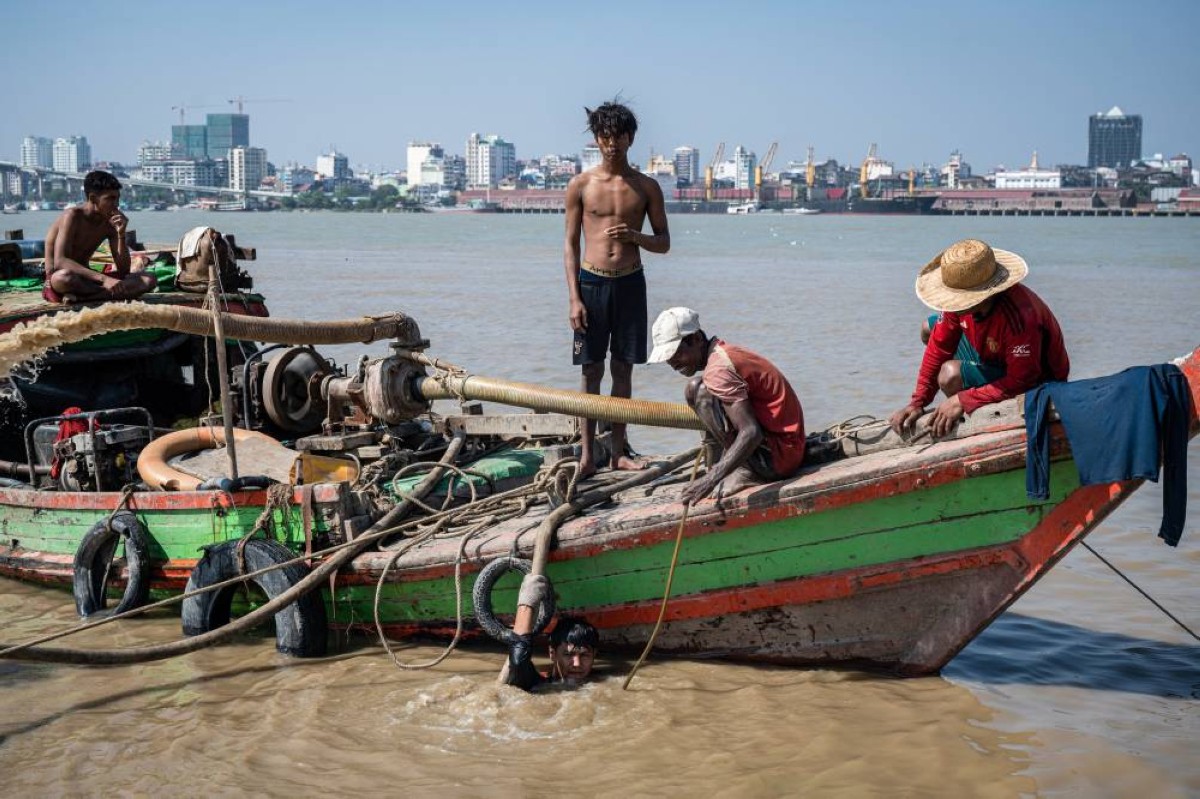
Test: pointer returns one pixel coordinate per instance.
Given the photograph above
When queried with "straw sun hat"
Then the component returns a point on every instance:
(966, 273)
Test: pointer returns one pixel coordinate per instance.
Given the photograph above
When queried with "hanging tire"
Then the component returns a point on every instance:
(300, 628)
(93, 559)
(481, 597)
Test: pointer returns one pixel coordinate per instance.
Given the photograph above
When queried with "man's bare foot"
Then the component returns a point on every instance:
(627, 464)
(586, 469)
(741, 479)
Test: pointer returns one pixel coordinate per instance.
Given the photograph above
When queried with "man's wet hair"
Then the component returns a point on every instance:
(99, 181)
(576, 631)
(611, 119)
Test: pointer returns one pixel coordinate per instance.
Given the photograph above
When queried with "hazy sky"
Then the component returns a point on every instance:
(921, 78)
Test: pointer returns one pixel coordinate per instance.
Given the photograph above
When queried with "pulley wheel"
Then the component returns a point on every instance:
(286, 392)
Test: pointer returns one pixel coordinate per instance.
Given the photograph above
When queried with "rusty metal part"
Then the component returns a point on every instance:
(288, 389)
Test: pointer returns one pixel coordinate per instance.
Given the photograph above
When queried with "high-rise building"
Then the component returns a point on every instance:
(247, 168)
(744, 162)
(334, 165)
(687, 165)
(418, 153)
(72, 154)
(1114, 139)
(37, 152)
(490, 159)
(226, 131)
(454, 172)
(190, 141)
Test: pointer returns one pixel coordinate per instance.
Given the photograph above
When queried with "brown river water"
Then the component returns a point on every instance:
(1082, 689)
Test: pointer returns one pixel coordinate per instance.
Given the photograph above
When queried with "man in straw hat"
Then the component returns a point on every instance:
(995, 339)
(752, 416)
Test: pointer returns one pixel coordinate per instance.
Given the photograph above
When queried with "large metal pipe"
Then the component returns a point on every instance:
(555, 400)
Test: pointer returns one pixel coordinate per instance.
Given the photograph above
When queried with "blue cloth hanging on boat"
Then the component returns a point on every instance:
(1120, 427)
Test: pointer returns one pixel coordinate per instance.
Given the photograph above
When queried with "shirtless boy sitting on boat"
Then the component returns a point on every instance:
(606, 288)
(73, 239)
(994, 339)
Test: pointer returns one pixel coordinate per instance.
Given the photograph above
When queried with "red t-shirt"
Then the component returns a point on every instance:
(1019, 334)
(733, 374)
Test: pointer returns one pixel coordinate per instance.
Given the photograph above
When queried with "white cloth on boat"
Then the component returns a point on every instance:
(189, 245)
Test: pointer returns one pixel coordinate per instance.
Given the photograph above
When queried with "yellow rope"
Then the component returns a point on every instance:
(662, 609)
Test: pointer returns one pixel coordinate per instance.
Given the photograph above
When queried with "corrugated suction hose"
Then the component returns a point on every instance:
(554, 400)
(33, 339)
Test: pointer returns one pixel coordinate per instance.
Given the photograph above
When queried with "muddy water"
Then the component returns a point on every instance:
(1082, 688)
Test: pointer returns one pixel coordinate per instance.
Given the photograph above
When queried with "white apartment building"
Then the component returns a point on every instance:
(418, 154)
(490, 159)
(1032, 177)
(247, 167)
(180, 171)
(37, 152)
(154, 151)
(660, 165)
(334, 165)
(590, 157)
(954, 170)
(72, 154)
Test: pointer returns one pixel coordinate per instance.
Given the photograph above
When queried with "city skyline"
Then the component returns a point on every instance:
(920, 81)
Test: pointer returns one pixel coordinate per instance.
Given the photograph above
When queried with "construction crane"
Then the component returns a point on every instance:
(182, 109)
(762, 168)
(863, 171)
(239, 100)
(708, 171)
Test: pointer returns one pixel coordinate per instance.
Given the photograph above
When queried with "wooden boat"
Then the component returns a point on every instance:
(892, 559)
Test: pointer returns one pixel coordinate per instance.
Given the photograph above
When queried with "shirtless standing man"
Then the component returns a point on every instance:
(606, 288)
(73, 239)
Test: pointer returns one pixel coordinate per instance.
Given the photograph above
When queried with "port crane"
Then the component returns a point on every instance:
(863, 171)
(182, 109)
(762, 168)
(240, 100)
(718, 154)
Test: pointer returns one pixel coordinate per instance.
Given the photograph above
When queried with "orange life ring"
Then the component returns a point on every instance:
(152, 462)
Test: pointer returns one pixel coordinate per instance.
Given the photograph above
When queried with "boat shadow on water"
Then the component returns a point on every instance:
(1063, 654)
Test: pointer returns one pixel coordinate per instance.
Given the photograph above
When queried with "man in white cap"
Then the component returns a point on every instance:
(752, 416)
(995, 339)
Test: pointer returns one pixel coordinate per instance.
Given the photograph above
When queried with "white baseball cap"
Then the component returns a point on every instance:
(670, 328)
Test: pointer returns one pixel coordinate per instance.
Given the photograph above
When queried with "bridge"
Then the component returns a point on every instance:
(75, 180)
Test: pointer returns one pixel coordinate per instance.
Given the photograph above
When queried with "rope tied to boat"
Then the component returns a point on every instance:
(126, 494)
(279, 499)
(1141, 591)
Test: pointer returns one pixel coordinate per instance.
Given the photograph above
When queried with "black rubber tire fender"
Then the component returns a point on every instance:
(300, 628)
(92, 559)
(481, 598)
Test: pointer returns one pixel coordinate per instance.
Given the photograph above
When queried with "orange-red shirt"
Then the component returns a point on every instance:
(1019, 334)
(733, 374)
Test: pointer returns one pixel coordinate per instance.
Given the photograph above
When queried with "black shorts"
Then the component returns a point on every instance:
(616, 319)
